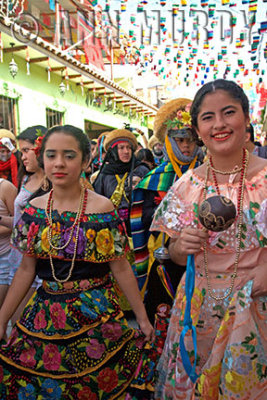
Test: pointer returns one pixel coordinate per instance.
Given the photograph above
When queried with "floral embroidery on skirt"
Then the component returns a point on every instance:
(72, 342)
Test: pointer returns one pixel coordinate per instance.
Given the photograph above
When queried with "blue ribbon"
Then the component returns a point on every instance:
(189, 290)
(101, 149)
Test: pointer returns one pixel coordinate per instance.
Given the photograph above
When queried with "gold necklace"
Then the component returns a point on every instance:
(48, 211)
(77, 222)
(239, 233)
(234, 171)
(72, 261)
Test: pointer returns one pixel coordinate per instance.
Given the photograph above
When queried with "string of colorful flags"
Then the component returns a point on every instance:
(182, 43)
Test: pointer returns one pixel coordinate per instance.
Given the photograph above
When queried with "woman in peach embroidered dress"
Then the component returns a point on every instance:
(230, 319)
(72, 340)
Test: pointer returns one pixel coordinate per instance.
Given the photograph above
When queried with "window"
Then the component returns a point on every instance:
(53, 118)
(8, 107)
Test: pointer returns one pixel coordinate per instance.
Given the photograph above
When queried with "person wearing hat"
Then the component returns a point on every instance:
(93, 162)
(8, 160)
(157, 149)
(158, 281)
(115, 175)
(114, 181)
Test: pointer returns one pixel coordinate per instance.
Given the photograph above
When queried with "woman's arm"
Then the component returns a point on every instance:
(144, 137)
(190, 241)
(20, 285)
(6, 223)
(124, 275)
(9, 193)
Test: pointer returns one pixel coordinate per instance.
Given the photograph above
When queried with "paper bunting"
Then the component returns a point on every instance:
(140, 8)
(181, 49)
(263, 27)
(107, 5)
(253, 5)
(211, 11)
(204, 3)
(123, 6)
(175, 9)
(233, 21)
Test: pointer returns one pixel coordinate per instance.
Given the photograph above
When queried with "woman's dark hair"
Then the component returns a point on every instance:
(76, 133)
(234, 90)
(32, 133)
(250, 130)
(41, 191)
(145, 155)
(29, 134)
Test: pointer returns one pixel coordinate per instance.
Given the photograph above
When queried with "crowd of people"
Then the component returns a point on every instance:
(98, 241)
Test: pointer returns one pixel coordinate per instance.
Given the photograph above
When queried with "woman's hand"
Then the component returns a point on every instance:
(147, 329)
(191, 240)
(258, 275)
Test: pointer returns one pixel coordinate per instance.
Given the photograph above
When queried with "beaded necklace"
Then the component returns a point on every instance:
(77, 221)
(234, 171)
(240, 200)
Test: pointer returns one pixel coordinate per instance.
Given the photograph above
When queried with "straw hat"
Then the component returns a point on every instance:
(119, 134)
(4, 133)
(167, 112)
(152, 141)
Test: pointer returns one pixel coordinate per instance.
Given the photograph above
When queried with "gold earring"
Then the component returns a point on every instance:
(45, 184)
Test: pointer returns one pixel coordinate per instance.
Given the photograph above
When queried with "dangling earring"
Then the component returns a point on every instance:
(199, 138)
(45, 184)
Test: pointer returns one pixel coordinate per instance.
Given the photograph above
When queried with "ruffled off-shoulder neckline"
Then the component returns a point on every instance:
(65, 215)
(253, 180)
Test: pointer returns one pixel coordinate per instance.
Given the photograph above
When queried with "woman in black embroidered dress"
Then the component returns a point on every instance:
(72, 341)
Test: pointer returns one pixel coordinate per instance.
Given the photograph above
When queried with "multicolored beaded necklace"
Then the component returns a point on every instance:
(77, 221)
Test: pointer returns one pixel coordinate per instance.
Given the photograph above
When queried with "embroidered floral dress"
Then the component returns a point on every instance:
(231, 334)
(72, 341)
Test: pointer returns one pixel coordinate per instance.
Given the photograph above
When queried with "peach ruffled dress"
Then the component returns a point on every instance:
(232, 333)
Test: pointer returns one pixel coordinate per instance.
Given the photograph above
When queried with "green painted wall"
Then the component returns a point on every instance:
(35, 94)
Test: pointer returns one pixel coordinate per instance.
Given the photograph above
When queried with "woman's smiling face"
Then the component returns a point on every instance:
(221, 122)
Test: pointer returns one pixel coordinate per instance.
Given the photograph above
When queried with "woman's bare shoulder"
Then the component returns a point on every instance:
(256, 165)
(201, 171)
(7, 185)
(98, 204)
(40, 201)
(8, 191)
